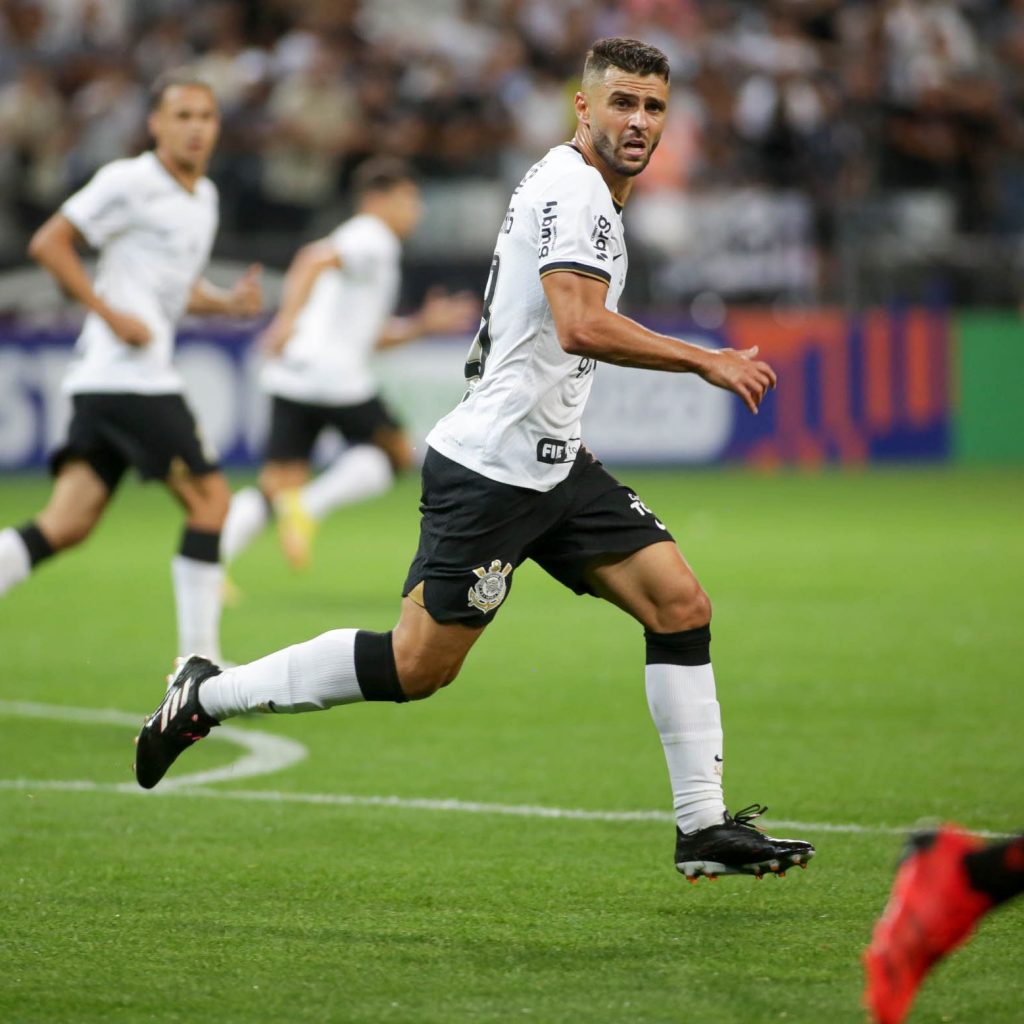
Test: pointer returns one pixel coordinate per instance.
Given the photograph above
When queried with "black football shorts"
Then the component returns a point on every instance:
(474, 531)
(157, 434)
(295, 426)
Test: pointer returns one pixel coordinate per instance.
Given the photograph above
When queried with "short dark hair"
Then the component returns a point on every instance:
(380, 174)
(627, 55)
(174, 77)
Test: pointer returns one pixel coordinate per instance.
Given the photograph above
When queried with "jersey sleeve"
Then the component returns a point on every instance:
(361, 250)
(575, 217)
(102, 208)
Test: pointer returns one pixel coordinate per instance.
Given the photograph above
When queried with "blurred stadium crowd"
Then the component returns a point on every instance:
(815, 149)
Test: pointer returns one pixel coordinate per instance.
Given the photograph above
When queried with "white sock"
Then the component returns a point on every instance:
(198, 592)
(247, 516)
(15, 564)
(686, 714)
(357, 474)
(312, 676)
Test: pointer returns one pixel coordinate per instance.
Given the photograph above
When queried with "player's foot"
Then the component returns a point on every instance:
(931, 910)
(176, 724)
(295, 528)
(736, 847)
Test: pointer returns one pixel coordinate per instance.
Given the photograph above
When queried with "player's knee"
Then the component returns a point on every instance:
(686, 607)
(419, 681)
(208, 506)
(401, 461)
(69, 532)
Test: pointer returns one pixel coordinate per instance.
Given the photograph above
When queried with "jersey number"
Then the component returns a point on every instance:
(481, 346)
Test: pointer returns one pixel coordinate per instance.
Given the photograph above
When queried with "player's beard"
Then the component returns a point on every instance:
(606, 148)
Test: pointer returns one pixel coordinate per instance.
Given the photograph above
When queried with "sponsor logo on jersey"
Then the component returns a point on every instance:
(600, 237)
(548, 228)
(491, 586)
(552, 451)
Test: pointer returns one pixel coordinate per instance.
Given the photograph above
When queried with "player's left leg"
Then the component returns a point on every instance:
(343, 666)
(656, 586)
(196, 570)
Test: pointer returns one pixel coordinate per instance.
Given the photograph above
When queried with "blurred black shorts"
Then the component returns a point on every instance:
(295, 426)
(157, 434)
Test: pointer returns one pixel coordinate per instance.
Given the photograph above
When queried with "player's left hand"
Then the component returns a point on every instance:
(442, 313)
(740, 371)
(246, 297)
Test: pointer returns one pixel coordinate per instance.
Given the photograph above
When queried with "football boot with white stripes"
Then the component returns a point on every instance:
(178, 723)
(736, 847)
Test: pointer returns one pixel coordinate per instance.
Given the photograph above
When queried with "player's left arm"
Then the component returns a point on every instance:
(244, 298)
(441, 313)
(586, 327)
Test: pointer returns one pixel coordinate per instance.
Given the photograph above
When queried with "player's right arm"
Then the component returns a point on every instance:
(587, 328)
(53, 247)
(306, 266)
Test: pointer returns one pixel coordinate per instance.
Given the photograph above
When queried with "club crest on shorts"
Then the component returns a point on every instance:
(490, 588)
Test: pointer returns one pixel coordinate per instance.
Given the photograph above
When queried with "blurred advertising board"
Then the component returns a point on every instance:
(852, 389)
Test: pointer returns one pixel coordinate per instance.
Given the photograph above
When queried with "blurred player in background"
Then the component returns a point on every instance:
(947, 882)
(336, 311)
(153, 219)
(506, 478)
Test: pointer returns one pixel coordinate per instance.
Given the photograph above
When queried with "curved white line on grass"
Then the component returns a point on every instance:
(413, 804)
(264, 752)
(268, 753)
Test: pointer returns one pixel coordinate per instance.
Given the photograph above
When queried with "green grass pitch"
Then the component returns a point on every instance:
(868, 647)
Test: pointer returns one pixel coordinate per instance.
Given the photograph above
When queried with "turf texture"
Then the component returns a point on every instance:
(868, 649)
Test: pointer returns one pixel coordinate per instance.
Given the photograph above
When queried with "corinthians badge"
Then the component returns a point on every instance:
(490, 588)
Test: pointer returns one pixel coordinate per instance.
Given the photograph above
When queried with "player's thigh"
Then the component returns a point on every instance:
(429, 654)
(205, 498)
(76, 503)
(283, 475)
(654, 584)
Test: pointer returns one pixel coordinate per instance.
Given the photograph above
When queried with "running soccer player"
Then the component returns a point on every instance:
(339, 296)
(153, 219)
(948, 881)
(507, 478)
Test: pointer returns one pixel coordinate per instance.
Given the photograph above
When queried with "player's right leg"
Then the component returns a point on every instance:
(657, 587)
(343, 666)
(76, 504)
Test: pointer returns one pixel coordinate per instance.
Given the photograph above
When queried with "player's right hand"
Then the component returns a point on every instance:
(130, 329)
(740, 371)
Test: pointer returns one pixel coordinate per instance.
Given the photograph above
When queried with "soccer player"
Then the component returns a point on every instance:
(153, 220)
(507, 478)
(947, 882)
(336, 310)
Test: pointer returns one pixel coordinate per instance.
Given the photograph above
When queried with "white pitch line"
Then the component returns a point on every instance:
(267, 752)
(423, 804)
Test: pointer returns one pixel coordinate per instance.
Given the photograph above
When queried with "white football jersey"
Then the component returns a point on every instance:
(327, 359)
(519, 422)
(154, 239)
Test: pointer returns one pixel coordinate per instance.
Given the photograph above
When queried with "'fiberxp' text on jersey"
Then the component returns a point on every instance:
(520, 420)
(326, 360)
(154, 239)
